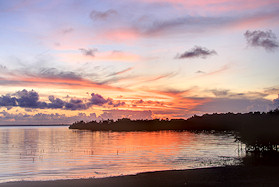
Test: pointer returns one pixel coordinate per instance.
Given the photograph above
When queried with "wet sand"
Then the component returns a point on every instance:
(218, 176)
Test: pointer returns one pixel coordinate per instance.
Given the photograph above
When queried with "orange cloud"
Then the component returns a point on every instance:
(59, 82)
(167, 104)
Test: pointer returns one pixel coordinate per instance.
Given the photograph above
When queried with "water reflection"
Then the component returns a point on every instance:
(43, 153)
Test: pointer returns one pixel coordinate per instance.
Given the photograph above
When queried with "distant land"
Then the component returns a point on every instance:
(223, 121)
(18, 125)
(259, 131)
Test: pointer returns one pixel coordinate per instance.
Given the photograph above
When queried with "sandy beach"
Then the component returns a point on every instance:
(218, 176)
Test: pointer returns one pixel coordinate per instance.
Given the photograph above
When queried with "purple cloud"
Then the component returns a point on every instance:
(30, 99)
(7, 100)
(263, 39)
(55, 102)
(97, 99)
(76, 104)
(196, 52)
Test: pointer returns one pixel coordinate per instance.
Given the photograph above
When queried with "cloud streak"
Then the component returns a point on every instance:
(218, 71)
(121, 72)
(265, 39)
(52, 77)
(56, 74)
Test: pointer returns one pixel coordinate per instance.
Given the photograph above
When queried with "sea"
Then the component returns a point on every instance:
(29, 153)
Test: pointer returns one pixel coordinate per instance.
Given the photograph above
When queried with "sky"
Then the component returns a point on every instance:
(63, 61)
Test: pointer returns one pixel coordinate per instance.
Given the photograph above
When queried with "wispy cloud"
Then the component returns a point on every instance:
(88, 52)
(226, 93)
(98, 15)
(121, 72)
(57, 78)
(200, 72)
(159, 77)
(265, 39)
(214, 72)
(158, 27)
(56, 74)
(219, 93)
(138, 80)
(67, 30)
(196, 52)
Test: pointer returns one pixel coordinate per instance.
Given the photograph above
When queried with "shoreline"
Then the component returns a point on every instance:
(213, 176)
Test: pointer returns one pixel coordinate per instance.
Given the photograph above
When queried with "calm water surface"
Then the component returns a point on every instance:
(47, 153)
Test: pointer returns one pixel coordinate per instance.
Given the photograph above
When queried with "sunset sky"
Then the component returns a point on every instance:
(67, 60)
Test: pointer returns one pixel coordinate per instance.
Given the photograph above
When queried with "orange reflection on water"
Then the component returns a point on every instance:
(43, 153)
